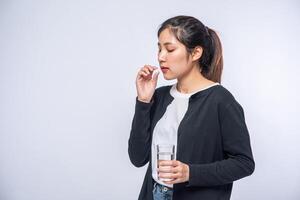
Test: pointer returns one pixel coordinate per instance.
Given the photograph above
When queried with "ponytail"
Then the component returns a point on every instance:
(215, 66)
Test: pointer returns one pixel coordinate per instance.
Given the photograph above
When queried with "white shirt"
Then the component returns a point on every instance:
(165, 131)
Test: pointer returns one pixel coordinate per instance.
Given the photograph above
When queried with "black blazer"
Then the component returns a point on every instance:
(212, 139)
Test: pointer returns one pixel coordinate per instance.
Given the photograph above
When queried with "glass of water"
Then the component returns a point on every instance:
(165, 152)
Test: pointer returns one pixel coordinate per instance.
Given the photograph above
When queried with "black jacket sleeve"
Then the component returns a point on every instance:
(236, 146)
(139, 143)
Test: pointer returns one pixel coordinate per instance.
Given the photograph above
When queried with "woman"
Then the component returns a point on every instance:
(197, 114)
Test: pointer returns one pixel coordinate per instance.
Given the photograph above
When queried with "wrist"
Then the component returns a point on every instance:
(144, 100)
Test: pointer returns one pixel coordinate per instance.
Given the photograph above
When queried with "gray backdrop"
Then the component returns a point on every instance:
(67, 86)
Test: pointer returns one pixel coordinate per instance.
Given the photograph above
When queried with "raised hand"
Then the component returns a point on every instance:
(146, 82)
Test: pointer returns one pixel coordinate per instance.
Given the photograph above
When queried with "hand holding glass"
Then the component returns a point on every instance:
(165, 152)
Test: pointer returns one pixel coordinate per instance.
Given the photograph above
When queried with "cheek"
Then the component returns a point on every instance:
(178, 62)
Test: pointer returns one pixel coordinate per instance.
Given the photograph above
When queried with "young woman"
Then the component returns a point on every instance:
(197, 114)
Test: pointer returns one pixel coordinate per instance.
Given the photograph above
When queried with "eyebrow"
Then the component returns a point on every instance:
(166, 43)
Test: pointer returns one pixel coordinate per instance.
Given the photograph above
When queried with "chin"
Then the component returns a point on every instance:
(168, 78)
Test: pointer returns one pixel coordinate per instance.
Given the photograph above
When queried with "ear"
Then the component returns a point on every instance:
(197, 53)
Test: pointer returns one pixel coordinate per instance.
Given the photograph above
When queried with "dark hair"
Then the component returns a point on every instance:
(191, 32)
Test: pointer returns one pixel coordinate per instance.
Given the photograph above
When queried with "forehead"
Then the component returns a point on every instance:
(166, 37)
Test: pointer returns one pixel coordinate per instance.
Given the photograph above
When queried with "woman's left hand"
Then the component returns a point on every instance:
(173, 169)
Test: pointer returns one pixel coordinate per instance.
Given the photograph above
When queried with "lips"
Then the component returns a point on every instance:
(164, 69)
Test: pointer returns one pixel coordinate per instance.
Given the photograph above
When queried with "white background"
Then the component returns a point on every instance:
(67, 92)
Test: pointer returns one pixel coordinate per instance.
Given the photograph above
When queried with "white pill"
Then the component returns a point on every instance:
(156, 71)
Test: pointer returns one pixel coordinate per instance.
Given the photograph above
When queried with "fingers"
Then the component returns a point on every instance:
(173, 169)
(170, 169)
(150, 68)
(175, 177)
(174, 181)
(142, 73)
(173, 163)
(167, 169)
(171, 175)
(147, 69)
(147, 72)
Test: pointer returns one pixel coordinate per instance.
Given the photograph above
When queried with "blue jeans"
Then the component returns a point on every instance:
(161, 192)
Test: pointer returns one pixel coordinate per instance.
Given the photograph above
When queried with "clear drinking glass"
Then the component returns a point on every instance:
(165, 152)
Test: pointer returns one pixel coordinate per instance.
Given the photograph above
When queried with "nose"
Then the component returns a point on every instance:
(161, 57)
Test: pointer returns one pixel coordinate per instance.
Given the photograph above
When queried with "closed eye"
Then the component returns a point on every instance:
(159, 50)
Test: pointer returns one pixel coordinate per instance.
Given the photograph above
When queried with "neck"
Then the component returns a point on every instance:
(192, 81)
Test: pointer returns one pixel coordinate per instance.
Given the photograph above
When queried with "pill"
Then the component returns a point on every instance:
(156, 71)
